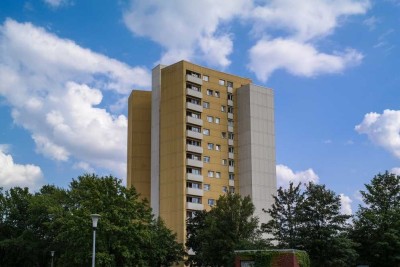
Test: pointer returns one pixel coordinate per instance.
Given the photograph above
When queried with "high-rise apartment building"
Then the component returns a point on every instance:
(198, 134)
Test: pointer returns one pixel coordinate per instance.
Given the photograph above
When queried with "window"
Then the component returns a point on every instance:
(224, 189)
(207, 187)
(211, 202)
(217, 175)
(206, 105)
(193, 101)
(224, 162)
(195, 74)
(230, 122)
(193, 142)
(223, 135)
(210, 118)
(229, 84)
(193, 200)
(230, 136)
(216, 94)
(231, 189)
(191, 86)
(193, 185)
(193, 128)
(206, 159)
(230, 109)
(218, 147)
(205, 78)
(231, 149)
(210, 146)
(210, 174)
(223, 108)
(196, 171)
(231, 176)
(193, 115)
(221, 82)
(193, 156)
(217, 120)
(230, 96)
(231, 163)
(209, 92)
(190, 214)
(206, 131)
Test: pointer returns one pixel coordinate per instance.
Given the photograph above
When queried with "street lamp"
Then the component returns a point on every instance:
(52, 257)
(95, 219)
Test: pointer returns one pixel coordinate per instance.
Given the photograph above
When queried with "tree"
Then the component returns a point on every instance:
(230, 225)
(58, 219)
(311, 220)
(324, 230)
(377, 225)
(285, 224)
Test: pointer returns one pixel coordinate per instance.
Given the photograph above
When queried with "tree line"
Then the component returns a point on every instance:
(305, 217)
(56, 219)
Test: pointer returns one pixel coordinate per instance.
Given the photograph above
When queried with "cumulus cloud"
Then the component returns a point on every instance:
(55, 89)
(56, 3)
(13, 174)
(297, 58)
(186, 29)
(286, 32)
(345, 202)
(285, 175)
(382, 129)
(395, 170)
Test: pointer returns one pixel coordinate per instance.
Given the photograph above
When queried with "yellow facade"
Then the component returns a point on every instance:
(139, 140)
(203, 120)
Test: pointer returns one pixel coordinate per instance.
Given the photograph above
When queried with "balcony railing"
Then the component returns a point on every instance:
(195, 121)
(195, 107)
(194, 191)
(194, 93)
(194, 206)
(194, 177)
(195, 149)
(230, 142)
(231, 168)
(194, 163)
(194, 134)
(230, 155)
(230, 89)
(194, 79)
(231, 182)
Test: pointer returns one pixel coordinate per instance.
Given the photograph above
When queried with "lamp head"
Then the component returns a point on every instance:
(52, 253)
(95, 219)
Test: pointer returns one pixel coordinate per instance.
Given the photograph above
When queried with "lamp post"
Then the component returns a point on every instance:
(95, 219)
(52, 257)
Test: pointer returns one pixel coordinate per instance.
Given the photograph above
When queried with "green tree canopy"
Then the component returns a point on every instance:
(213, 236)
(59, 220)
(311, 220)
(377, 225)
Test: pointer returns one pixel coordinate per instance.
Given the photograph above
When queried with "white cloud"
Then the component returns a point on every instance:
(395, 170)
(345, 202)
(186, 29)
(55, 87)
(56, 3)
(297, 58)
(285, 175)
(13, 174)
(382, 129)
(307, 19)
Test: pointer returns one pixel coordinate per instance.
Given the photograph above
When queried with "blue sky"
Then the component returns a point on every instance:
(68, 66)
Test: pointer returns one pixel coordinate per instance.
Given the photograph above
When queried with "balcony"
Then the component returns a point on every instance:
(230, 129)
(195, 107)
(193, 134)
(194, 79)
(195, 149)
(230, 116)
(194, 177)
(194, 206)
(230, 142)
(230, 89)
(194, 163)
(231, 168)
(230, 155)
(194, 93)
(230, 103)
(195, 121)
(231, 182)
(194, 191)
